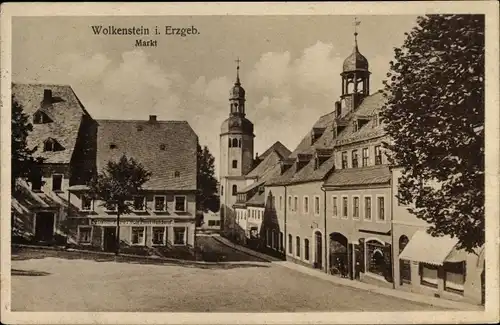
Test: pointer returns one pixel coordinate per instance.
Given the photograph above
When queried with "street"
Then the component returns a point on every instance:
(242, 284)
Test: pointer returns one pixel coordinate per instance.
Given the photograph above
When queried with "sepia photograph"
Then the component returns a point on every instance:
(216, 162)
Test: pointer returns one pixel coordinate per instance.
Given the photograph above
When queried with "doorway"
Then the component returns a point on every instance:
(44, 226)
(109, 242)
(319, 250)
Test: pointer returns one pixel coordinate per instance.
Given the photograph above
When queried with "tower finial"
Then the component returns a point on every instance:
(237, 70)
(356, 24)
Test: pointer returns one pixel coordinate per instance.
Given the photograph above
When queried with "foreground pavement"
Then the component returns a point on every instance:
(242, 284)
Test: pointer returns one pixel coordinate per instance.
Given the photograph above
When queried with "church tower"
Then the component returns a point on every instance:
(355, 78)
(236, 151)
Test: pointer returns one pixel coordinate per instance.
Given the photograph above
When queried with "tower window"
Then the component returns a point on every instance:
(235, 190)
(239, 143)
(235, 143)
(235, 163)
(229, 144)
(177, 174)
(112, 146)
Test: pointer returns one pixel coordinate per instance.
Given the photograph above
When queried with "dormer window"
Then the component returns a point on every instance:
(112, 146)
(316, 133)
(163, 147)
(40, 118)
(51, 145)
(177, 174)
(355, 126)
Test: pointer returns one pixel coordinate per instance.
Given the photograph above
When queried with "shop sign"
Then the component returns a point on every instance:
(131, 222)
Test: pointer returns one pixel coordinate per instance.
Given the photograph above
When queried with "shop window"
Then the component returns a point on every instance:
(454, 277)
(138, 235)
(306, 249)
(428, 275)
(158, 235)
(179, 236)
(160, 203)
(180, 203)
(84, 235)
(375, 258)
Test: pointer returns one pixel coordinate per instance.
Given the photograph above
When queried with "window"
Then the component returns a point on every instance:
(177, 174)
(368, 208)
(235, 163)
(138, 235)
(239, 143)
(355, 159)
(179, 236)
(297, 246)
(404, 265)
(290, 203)
(378, 155)
(335, 206)
(344, 160)
(381, 209)
(211, 223)
(375, 258)
(281, 202)
(235, 190)
(344, 207)
(57, 182)
(280, 241)
(158, 235)
(36, 180)
(306, 204)
(229, 144)
(316, 205)
(355, 206)
(290, 239)
(49, 145)
(86, 203)
(180, 203)
(163, 147)
(295, 203)
(112, 146)
(306, 249)
(454, 277)
(139, 203)
(222, 190)
(365, 157)
(84, 235)
(428, 275)
(235, 143)
(273, 241)
(160, 203)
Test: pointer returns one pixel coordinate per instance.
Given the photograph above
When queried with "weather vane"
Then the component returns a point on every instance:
(356, 24)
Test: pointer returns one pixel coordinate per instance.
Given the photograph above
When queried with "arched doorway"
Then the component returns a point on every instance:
(318, 256)
(376, 258)
(404, 265)
(339, 264)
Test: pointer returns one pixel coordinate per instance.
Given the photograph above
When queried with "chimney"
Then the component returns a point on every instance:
(47, 96)
(152, 118)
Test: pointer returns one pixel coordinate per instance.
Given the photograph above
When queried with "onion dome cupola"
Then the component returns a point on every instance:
(237, 121)
(355, 73)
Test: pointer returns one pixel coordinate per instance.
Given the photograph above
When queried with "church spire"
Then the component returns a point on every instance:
(237, 71)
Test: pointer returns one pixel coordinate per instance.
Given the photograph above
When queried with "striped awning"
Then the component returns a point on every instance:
(424, 248)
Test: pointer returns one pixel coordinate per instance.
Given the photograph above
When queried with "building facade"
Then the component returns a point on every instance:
(432, 265)
(164, 214)
(65, 138)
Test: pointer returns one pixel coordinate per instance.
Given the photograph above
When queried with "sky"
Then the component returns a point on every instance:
(290, 67)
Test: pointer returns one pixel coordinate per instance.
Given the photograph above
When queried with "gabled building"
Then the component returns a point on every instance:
(164, 214)
(65, 136)
(250, 202)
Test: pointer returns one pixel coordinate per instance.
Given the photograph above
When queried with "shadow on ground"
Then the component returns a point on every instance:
(208, 259)
(16, 272)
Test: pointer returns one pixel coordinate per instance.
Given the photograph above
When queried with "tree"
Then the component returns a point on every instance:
(207, 198)
(117, 185)
(434, 114)
(22, 162)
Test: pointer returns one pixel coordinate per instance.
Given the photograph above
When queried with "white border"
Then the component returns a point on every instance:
(489, 8)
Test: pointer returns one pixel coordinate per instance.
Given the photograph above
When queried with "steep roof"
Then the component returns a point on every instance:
(379, 174)
(65, 110)
(271, 159)
(278, 147)
(257, 200)
(325, 141)
(166, 148)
